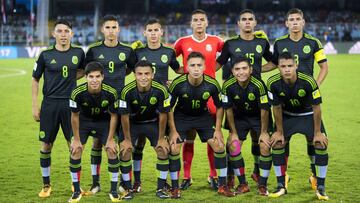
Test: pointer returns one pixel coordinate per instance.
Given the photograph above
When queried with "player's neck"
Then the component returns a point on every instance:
(291, 81)
(154, 45)
(195, 81)
(61, 47)
(199, 35)
(247, 35)
(144, 89)
(296, 36)
(94, 91)
(244, 84)
(111, 43)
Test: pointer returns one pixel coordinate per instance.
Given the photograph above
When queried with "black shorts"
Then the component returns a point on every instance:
(95, 128)
(244, 125)
(53, 114)
(143, 130)
(202, 124)
(300, 124)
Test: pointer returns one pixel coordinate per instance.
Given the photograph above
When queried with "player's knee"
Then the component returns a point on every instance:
(76, 153)
(175, 148)
(279, 145)
(264, 150)
(234, 147)
(216, 145)
(319, 146)
(161, 152)
(46, 147)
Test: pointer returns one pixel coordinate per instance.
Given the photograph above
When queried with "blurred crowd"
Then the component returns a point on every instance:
(327, 26)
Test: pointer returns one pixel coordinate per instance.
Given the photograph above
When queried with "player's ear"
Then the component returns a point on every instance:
(286, 23)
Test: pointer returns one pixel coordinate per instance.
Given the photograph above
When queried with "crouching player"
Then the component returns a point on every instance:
(143, 106)
(94, 112)
(191, 91)
(247, 109)
(296, 101)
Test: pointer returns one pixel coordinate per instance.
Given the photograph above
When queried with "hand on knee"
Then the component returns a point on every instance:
(234, 147)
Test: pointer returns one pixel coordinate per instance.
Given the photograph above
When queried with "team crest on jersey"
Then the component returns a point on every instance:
(75, 60)
(206, 95)
(208, 47)
(104, 103)
(164, 58)
(301, 93)
(41, 134)
(122, 56)
(306, 49)
(251, 96)
(258, 49)
(135, 102)
(153, 100)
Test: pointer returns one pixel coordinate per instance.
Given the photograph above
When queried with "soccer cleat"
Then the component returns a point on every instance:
(93, 190)
(75, 197)
(114, 196)
(162, 194)
(73, 190)
(313, 182)
(280, 191)
(242, 188)
(262, 190)
(128, 195)
(175, 193)
(255, 177)
(321, 195)
(287, 180)
(225, 191)
(45, 191)
(122, 190)
(136, 187)
(186, 183)
(231, 181)
(213, 182)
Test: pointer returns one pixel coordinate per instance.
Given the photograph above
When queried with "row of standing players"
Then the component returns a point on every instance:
(62, 63)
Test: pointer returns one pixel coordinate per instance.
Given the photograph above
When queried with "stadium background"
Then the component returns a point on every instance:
(26, 26)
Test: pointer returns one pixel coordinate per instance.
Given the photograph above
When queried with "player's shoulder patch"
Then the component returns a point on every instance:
(308, 79)
(273, 79)
(282, 37)
(127, 88)
(96, 44)
(78, 90)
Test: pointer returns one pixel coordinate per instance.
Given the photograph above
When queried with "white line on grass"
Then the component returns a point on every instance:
(17, 72)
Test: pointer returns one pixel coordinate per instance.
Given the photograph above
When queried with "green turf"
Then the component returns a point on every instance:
(20, 176)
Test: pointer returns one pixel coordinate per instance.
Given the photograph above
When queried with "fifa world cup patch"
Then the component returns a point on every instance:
(224, 98)
(167, 102)
(270, 95)
(122, 104)
(264, 99)
(72, 104)
(316, 94)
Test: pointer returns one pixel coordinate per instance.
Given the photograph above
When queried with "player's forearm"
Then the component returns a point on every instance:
(324, 69)
(75, 120)
(317, 118)
(278, 118)
(125, 124)
(219, 118)
(269, 66)
(113, 124)
(35, 92)
(230, 120)
(264, 120)
(162, 125)
(171, 121)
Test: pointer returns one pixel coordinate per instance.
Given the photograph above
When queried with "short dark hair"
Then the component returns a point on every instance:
(63, 22)
(94, 66)
(198, 11)
(240, 60)
(109, 18)
(294, 11)
(286, 55)
(247, 11)
(152, 21)
(195, 54)
(144, 63)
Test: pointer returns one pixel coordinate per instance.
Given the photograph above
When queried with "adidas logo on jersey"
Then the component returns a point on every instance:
(101, 56)
(189, 49)
(135, 102)
(53, 61)
(285, 50)
(238, 50)
(282, 94)
(237, 97)
(143, 58)
(185, 96)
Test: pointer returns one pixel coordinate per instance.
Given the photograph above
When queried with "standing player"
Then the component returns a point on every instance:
(306, 50)
(208, 46)
(255, 47)
(144, 104)
(94, 113)
(296, 100)
(60, 64)
(191, 92)
(161, 58)
(117, 58)
(246, 103)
